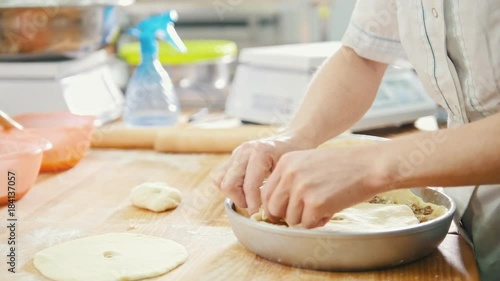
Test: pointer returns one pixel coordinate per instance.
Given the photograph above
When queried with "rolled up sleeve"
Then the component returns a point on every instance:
(373, 32)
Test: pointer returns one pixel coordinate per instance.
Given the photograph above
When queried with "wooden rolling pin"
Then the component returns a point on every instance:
(181, 139)
(124, 137)
(198, 140)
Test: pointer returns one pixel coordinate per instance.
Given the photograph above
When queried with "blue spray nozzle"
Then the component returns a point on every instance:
(158, 27)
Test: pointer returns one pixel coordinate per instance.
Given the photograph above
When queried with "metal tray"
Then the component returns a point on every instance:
(335, 251)
(59, 3)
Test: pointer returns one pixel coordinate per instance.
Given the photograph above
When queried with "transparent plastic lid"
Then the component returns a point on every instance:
(61, 3)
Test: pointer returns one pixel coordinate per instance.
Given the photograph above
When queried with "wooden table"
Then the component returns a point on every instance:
(93, 199)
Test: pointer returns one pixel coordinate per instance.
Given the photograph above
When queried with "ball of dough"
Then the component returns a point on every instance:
(155, 196)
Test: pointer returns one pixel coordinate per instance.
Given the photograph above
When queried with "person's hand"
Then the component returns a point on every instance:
(241, 177)
(308, 187)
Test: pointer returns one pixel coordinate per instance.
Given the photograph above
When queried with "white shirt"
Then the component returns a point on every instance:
(454, 46)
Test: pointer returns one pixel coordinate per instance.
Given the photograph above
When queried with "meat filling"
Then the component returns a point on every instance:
(420, 212)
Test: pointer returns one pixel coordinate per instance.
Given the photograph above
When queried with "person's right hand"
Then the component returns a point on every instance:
(241, 177)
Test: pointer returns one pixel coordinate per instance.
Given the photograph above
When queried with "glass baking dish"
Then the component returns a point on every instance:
(41, 30)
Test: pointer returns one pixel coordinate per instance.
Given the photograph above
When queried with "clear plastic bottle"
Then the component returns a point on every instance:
(150, 99)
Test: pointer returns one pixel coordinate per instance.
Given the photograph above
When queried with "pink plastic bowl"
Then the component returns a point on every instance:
(69, 134)
(20, 160)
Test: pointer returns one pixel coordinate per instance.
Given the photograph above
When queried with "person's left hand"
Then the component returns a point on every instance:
(308, 187)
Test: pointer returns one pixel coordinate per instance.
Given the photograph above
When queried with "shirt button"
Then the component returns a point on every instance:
(434, 12)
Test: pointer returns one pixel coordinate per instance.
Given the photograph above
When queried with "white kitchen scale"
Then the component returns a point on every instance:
(270, 83)
(82, 86)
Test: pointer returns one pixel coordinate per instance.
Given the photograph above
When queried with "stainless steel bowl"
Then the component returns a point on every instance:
(203, 84)
(215, 73)
(330, 251)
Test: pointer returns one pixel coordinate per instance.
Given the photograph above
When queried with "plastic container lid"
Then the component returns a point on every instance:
(198, 51)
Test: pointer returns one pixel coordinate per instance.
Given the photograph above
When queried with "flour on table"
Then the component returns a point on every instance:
(4, 248)
(184, 163)
(155, 196)
(49, 236)
(110, 257)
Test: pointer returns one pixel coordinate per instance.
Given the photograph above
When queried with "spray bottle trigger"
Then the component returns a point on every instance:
(173, 38)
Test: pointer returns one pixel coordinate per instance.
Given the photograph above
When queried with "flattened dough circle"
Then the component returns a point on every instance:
(155, 196)
(110, 257)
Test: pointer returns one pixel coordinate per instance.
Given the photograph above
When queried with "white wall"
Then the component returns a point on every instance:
(341, 11)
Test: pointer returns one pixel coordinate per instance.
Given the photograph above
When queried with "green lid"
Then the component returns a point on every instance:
(198, 51)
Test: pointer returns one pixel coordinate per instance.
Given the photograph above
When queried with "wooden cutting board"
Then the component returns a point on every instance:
(93, 199)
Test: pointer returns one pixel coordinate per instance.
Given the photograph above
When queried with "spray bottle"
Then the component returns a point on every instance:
(150, 96)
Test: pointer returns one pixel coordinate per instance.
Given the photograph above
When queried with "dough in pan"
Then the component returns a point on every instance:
(391, 210)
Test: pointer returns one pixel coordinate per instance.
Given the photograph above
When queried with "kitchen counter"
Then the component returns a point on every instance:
(93, 199)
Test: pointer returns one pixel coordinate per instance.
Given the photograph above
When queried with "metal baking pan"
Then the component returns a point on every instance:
(343, 251)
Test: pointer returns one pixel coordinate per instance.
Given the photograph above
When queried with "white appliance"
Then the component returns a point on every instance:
(270, 83)
(83, 86)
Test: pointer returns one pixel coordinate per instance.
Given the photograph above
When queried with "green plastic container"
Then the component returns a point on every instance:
(199, 51)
